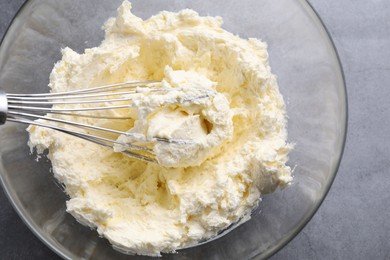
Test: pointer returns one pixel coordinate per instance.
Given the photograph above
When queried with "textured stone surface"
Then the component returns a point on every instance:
(352, 222)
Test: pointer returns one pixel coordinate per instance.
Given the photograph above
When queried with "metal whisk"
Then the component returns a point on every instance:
(27, 108)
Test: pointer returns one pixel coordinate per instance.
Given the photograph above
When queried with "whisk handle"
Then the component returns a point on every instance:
(3, 107)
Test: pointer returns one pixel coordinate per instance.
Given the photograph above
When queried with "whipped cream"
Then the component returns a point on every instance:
(189, 110)
(238, 132)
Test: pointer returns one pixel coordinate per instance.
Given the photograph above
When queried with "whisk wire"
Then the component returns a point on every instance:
(36, 109)
(92, 138)
(112, 87)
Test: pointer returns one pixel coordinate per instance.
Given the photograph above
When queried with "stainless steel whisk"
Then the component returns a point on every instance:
(27, 108)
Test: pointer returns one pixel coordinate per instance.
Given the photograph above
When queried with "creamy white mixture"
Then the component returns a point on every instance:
(239, 132)
(191, 110)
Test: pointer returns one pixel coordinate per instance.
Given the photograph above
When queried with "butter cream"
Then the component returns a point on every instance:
(197, 190)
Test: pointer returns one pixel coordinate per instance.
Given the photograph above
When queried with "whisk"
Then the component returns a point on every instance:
(27, 108)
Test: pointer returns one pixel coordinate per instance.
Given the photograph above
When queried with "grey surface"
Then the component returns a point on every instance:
(352, 223)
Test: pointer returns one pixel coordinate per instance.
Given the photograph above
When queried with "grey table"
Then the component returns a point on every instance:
(352, 223)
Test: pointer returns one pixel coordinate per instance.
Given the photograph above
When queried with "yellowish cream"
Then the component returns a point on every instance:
(190, 111)
(239, 132)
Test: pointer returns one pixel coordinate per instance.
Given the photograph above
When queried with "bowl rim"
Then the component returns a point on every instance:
(309, 8)
(343, 130)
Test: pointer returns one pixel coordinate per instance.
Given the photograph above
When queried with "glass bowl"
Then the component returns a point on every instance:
(309, 75)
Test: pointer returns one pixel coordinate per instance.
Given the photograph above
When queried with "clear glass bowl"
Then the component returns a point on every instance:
(310, 78)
